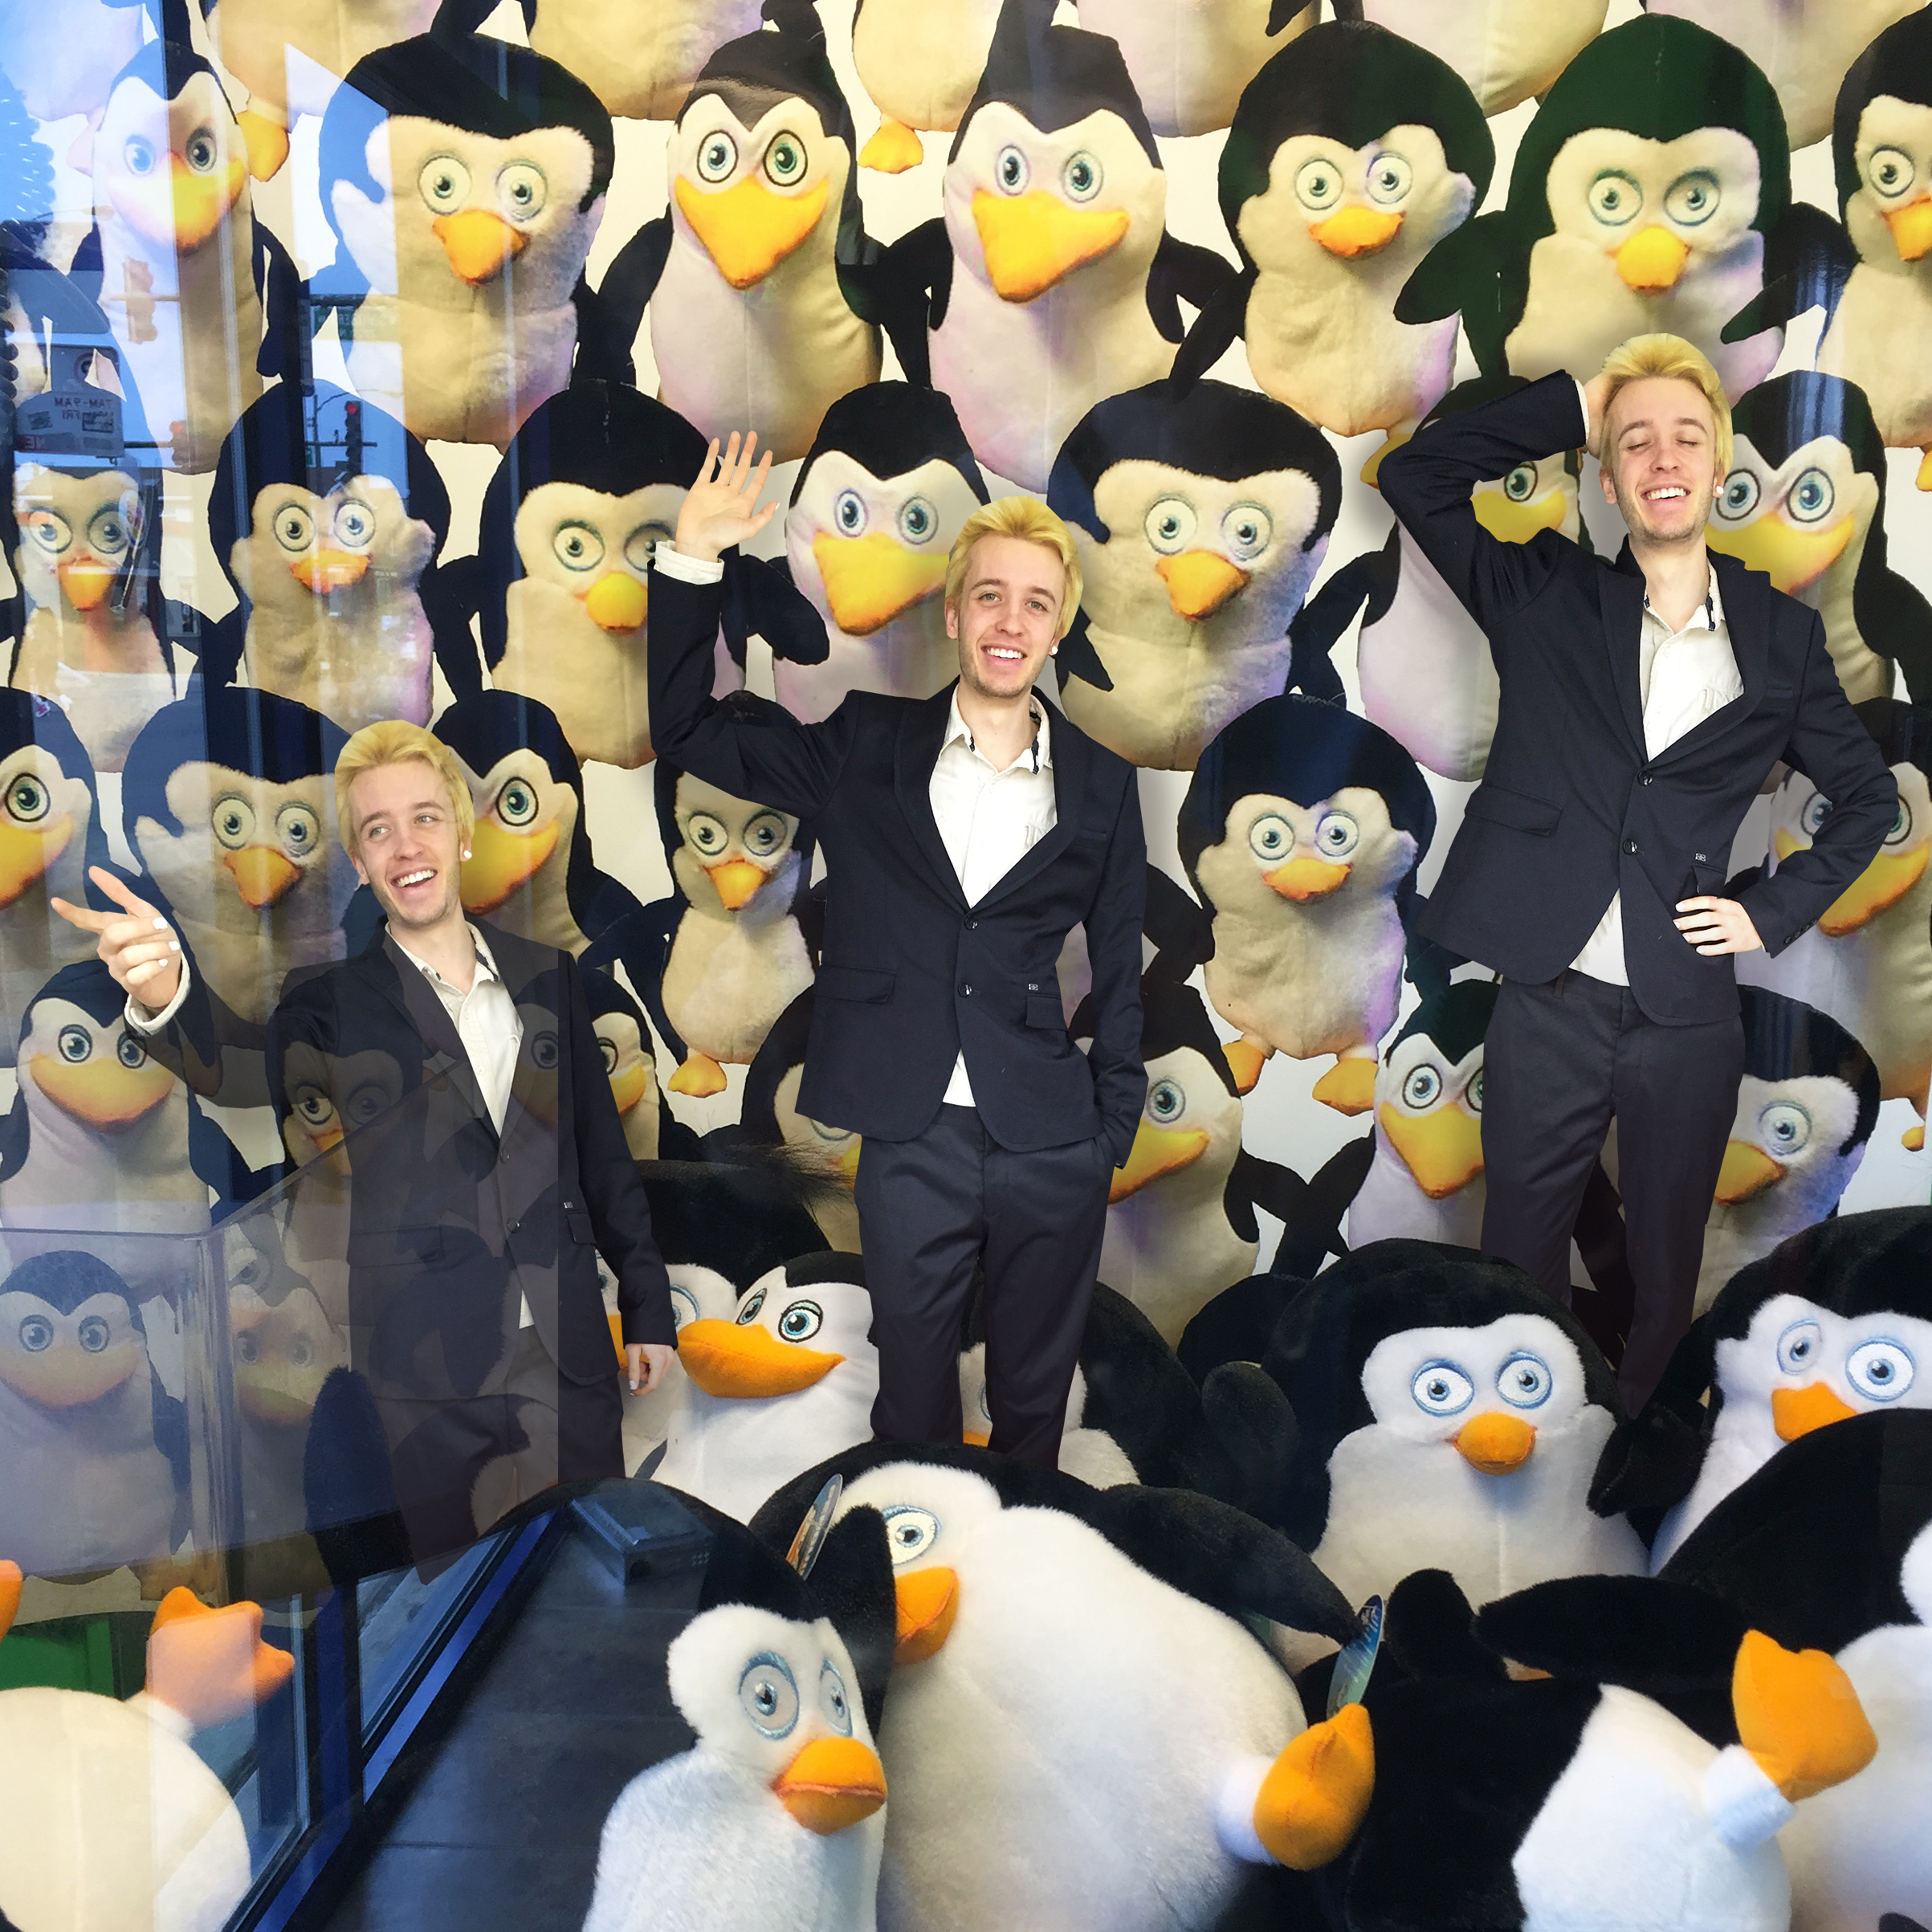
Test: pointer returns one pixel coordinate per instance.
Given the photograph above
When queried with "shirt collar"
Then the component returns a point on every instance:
(1713, 605)
(486, 962)
(1040, 757)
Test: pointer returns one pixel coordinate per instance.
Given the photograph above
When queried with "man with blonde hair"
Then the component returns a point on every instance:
(964, 836)
(1644, 702)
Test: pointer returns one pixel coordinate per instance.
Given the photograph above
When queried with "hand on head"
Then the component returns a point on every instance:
(720, 508)
(139, 946)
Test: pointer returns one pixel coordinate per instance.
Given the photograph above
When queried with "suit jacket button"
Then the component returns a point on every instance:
(1630, 844)
(973, 925)
(966, 991)
(1645, 778)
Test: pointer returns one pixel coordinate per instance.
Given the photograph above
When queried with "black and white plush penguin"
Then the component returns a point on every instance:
(327, 517)
(1506, 50)
(1651, 192)
(919, 62)
(1807, 1105)
(1200, 520)
(1189, 69)
(458, 283)
(757, 274)
(630, 1063)
(884, 490)
(1804, 502)
(96, 1450)
(1301, 831)
(1834, 1322)
(771, 1819)
(1352, 154)
(1028, 1604)
(1050, 280)
(642, 63)
(1426, 1179)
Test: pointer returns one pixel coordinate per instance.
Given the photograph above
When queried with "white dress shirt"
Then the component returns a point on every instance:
(1684, 676)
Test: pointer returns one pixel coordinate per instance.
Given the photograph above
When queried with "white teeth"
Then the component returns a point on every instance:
(415, 878)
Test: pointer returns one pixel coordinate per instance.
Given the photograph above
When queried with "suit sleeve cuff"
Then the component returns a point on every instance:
(670, 562)
(141, 1020)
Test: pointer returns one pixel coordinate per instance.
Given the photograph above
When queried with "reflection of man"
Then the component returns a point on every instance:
(1643, 704)
(479, 1201)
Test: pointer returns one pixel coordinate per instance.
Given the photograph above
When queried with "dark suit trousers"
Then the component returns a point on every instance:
(932, 1208)
(1560, 1060)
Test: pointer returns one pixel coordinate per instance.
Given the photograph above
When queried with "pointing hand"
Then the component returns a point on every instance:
(139, 946)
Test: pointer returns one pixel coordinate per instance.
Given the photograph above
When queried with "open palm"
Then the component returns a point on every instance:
(721, 507)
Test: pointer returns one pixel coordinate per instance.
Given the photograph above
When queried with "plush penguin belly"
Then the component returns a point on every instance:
(921, 59)
(728, 979)
(109, 684)
(641, 64)
(1170, 1246)
(138, 1179)
(1506, 50)
(1427, 678)
(1190, 63)
(1389, 1205)
(1876, 340)
(1624, 1842)
(366, 655)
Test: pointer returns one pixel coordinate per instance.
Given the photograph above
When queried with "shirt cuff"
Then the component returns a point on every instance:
(140, 1021)
(669, 562)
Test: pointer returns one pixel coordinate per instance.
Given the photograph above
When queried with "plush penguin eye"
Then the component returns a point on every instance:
(985, 1406)
(1692, 199)
(1247, 530)
(1519, 486)
(139, 155)
(801, 1322)
(769, 1694)
(130, 1052)
(50, 531)
(76, 1044)
(917, 519)
(366, 1103)
(1441, 1389)
(36, 1334)
(93, 1334)
(1524, 1381)
(443, 183)
(544, 1052)
(1472, 1095)
(355, 524)
(1614, 198)
(1785, 1128)
(1798, 1347)
(1167, 1101)
(234, 822)
(315, 1107)
(1891, 170)
(1012, 170)
(1337, 835)
(247, 1350)
(683, 1305)
(706, 835)
(1170, 524)
(1812, 497)
(1422, 1088)
(27, 800)
(577, 547)
(1881, 1372)
(832, 1701)
(201, 153)
(607, 1052)
(825, 1132)
(297, 829)
(717, 158)
(764, 835)
(1390, 178)
(753, 1303)
(910, 1532)
(516, 802)
(641, 542)
(1739, 495)
(107, 533)
(1901, 826)
(294, 527)
(1817, 809)
(1082, 177)
(849, 512)
(784, 160)
(1271, 837)
(521, 190)
(1317, 186)
(301, 1351)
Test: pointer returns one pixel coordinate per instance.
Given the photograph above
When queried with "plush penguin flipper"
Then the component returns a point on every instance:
(1652, 1459)
(1221, 322)
(1279, 1191)
(450, 637)
(1318, 627)
(1428, 1635)
(631, 279)
(641, 944)
(348, 1492)
(1896, 620)
(1253, 1423)
(1314, 1231)
(1808, 259)
(852, 1580)
(1236, 1325)
(222, 643)
(1181, 929)
(1282, 13)
(284, 305)
(911, 286)
(1078, 657)
(603, 348)
(759, 597)
(219, 1164)
(1183, 271)
(1469, 272)
(1426, 964)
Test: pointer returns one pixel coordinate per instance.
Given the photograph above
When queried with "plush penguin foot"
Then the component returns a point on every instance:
(1799, 1716)
(9, 1595)
(1245, 1062)
(209, 1664)
(1348, 1086)
(1914, 1137)
(700, 1077)
(893, 149)
(1925, 470)
(1314, 1798)
(1372, 468)
(268, 141)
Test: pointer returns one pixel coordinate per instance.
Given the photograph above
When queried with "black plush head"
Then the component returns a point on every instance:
(783, 1048)
(1172, 1016)
(88, 984)
(1898, 63)
(1456, 1019)
(1785, 1039)
(1902, 732)
(740, 1222)
(1852, 1265)
(64, 1278)
(892, 427)
(26, 719)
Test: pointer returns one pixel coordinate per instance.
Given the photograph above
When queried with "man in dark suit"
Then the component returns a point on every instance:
(964, 836)
(1643, 704)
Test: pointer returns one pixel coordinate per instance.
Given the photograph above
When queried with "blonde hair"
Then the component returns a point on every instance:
(1661, 355)
(395, 741)
(1030, 521)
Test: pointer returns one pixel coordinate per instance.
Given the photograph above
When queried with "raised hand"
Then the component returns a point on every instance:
(721, 507)
(1596, 400)
(139, 946)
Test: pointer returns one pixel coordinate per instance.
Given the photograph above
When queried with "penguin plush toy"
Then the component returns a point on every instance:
(759, 275)
(641, 62)
(1050, 280)
(881, 495)
(631, 1064)
(1189, 70)
(1301, 831)
(1352, 154)
(1804, 502)
(327, 517)
(920, 64)
(464, 179)
(1651, 192)
(1506, 50)
(1201, 521)
(1807, 1105)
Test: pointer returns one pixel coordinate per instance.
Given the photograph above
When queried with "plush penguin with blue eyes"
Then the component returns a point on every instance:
(1028, 1603)
(772, 1819)
(884, 490)
(758, 277)
(1834, 1322)
(1050, 280)
(1301, 832)
(457, 285)
(1807, 1104)
(1201, 521)
(1804, 502)
(1506, 50)
(1353, 152)
(651, 1132)
(1651, 192)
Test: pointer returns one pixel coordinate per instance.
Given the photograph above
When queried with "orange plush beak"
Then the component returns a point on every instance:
(832, 1784)
(1495, 1444)
(262, 874)
(1797, 1411)
(928, 1601)
(480, 245)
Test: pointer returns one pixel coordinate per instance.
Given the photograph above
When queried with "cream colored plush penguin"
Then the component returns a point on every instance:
(1190, 62)
(919, 60)
(1506, 50)
(641, 56)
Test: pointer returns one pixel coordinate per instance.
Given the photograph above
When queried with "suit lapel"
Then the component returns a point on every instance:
(922, 729)
(1623, 613)
(1072, 757)
(1747, 597)
(445, 1055)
